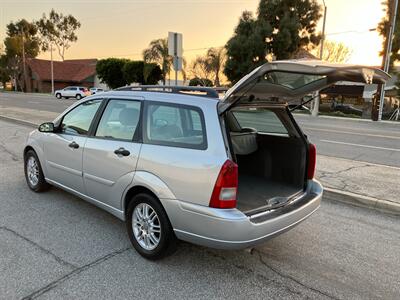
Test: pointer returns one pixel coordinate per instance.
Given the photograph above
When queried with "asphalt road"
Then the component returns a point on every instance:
(54, 245)
(373, 142)
(35, 101)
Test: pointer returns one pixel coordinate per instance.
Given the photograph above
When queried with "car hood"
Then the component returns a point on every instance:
(282, 81)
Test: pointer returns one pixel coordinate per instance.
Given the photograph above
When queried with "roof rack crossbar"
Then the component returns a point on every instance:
(202, 91)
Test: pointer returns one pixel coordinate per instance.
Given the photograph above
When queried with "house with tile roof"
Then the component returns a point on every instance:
(81, 72)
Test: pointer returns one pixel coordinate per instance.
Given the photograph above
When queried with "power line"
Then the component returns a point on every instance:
(138, 54)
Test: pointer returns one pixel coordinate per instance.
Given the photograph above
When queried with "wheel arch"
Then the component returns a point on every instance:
(136, 190)
(145, 182)
(27, 148)
(32, 145)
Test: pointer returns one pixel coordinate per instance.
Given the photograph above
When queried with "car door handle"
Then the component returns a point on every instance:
(73, 145)
(122, 151)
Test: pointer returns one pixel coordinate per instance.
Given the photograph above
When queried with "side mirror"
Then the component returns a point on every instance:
(46, 127)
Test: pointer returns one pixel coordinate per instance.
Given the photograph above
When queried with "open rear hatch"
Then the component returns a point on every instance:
(272, 153)
(284, 81)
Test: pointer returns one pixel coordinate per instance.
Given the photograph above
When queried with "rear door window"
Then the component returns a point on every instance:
(175, 125)
(120, 120)
(261, 119)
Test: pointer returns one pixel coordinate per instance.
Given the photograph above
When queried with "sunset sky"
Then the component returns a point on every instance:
(124, 28)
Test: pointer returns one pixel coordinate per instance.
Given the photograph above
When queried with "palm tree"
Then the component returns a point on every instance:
(158, 52)
(215, 60)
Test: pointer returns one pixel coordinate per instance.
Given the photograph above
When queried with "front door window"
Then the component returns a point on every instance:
(78, 120)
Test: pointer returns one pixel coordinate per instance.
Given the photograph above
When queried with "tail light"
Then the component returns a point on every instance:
(225, 189)
(312, 159)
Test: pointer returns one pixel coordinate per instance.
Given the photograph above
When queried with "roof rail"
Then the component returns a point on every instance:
(187, 90)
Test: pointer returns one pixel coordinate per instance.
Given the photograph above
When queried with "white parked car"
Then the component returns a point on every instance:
(77, 92)
(95, 90)
(225, 174)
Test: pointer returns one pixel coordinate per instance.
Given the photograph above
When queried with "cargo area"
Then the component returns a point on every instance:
(271, 157)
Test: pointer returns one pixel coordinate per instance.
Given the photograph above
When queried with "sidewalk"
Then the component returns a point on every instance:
(358, 183)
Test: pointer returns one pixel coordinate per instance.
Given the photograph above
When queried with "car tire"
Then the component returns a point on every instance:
(58, 96)
(143, 235)
(78, 97)
(33, 172)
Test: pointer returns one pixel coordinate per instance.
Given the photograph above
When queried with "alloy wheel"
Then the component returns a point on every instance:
(146, 226)
(32, 169)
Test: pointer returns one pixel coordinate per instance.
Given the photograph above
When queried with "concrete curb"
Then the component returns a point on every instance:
(362, 201)
(18, 121)
(23, 93)
(345, 119)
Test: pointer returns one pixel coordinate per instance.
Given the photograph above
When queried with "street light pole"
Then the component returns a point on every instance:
(51, 67)
(323, 32)
(389, 42)
(321, 51)
(23, 59)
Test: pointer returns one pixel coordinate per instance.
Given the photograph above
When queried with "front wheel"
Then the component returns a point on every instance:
(78, 97)
(149, 229)
(58, 96)
(33, 173)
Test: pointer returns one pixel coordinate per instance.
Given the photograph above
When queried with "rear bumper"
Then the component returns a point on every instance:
(231, 229)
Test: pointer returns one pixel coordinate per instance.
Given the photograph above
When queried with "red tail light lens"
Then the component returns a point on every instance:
(225, 189)
(312, 160)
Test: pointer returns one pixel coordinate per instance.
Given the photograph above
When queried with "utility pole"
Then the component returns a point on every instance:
(51, 67)
(386, 58)
(321, 51)
(23, 59)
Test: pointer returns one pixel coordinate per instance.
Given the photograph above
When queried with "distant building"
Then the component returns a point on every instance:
(80, 72)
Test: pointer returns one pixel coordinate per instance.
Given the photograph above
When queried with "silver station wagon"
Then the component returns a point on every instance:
(179, 163)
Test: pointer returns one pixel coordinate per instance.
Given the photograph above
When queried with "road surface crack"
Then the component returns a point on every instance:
(57, 258)
(266, 279)
(260, 255)
(14, 156)
(73, 273)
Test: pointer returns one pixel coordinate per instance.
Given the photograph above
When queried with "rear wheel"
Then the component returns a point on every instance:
(33, 173)
(149, 229)
(78, 97)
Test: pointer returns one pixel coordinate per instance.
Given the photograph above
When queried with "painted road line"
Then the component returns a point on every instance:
(359, 145)
(354, 133)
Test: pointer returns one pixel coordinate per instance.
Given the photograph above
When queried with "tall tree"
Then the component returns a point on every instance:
(334, 52)
(117, 72)
(293, 23)
(21, 42)
(383, 29)
(247, 48)
(58, 29)
(140, 72)
(133, 71)
(157, 52)
(110, 71)
(215, 59)
(280, 30)
(200, 71)
(152, 73)
(5, 72)
(208, 68)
